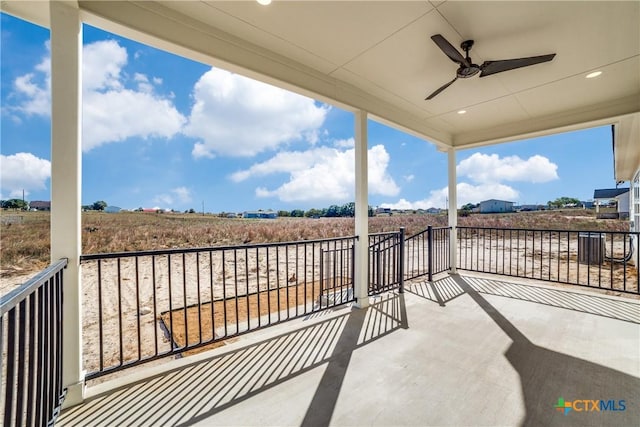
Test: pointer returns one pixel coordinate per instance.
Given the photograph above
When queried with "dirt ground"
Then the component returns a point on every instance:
(145, 290)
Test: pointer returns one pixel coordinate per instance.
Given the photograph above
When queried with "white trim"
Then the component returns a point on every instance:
(66, 158)
(453, 209)
(362, 211)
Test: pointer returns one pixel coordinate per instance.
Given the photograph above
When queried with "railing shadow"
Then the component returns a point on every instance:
(447, 289)
(441, 291)
(192, 393)
(546, 376)
(560, 298)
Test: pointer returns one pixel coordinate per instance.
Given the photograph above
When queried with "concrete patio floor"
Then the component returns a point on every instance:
(465, 350)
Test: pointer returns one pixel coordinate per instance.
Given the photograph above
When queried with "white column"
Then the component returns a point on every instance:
(66, 157)
(362, 212)
(453, 208)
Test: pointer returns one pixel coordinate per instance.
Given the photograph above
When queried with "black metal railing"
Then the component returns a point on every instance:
(596, 259)
(140, 306)
(427, 253)
(31, 344)
(386, 261)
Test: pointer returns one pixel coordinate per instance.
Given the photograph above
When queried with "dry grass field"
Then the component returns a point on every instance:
(144, 305)
(24, 236)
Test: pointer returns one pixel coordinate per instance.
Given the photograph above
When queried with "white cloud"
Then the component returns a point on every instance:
(321, 174)
(163, 199)
(102, 62)
(466, 193)
(111, 112)
(344, 143)
(236, 116)
(23, 171)
(491, 168)
(114, 116)
(409, 177)
(143, 83)
(487, 173)
(183, 194)
(32, 91)
(176, 195)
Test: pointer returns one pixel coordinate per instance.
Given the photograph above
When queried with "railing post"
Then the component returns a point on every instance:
(430, 252)
(401, 260)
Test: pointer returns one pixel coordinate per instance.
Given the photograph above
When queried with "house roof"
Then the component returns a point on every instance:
(609, 193)
(495, 200)
(39, 204)
(378, 57)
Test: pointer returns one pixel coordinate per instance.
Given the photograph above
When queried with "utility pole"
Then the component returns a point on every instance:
(203, 208)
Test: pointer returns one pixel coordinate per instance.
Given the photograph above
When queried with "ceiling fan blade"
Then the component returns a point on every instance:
(443, 87)
(493, 67)
(449, 50)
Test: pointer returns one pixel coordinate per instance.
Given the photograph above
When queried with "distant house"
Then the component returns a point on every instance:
(112, 209)
(260, 214)
(621, 196)
(434, 210)
(496, 206)
(382, 211)
(40, 205)
(528, 208)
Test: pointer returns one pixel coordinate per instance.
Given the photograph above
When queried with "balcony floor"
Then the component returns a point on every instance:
(466, 350)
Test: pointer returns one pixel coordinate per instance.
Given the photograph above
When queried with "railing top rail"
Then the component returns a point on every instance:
(425, 231)
(384, 233)
(553, 230)
(13, 298)
(385, 237)
(108, 255)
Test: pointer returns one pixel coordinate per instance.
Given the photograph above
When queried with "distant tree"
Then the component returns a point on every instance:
(348, 210)
(99, 205)
(14, 204)
(333, 211)
(312, 213)
(371, 211)
(192, 210)
(562, 202)
(283, 214)
(297, 213)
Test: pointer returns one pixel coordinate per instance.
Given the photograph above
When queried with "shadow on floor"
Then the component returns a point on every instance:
(441, 291)
(194, 392)
(592, 303)
(547, 375)
(447, 289)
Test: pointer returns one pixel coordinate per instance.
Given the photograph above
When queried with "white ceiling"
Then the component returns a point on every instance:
(378, 56)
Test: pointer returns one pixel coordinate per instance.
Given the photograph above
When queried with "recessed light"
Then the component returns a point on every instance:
(594, 74)
(264, 2)
(462, 112)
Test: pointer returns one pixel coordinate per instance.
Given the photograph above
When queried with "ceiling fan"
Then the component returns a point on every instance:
(469, 69)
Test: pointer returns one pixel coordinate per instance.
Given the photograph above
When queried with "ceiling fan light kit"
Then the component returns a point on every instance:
(469, 69)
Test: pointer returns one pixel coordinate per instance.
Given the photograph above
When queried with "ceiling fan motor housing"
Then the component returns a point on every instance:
(466, 72)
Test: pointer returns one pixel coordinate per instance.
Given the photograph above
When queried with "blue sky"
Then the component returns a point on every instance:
(163, 131)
